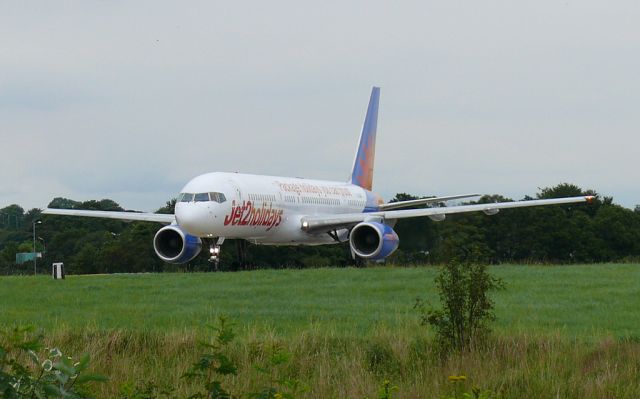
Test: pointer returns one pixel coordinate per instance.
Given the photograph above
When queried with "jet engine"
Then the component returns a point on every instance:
(373, 240)
(173, 245)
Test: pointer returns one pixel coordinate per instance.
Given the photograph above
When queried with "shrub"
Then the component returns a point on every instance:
(467, 309)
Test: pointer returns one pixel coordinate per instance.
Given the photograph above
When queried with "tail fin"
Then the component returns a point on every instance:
(362, 174)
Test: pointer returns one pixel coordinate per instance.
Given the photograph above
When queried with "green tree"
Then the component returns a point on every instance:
(63, 203)
(559, 191)
(85, 261)
(169, 208)
(12, 216)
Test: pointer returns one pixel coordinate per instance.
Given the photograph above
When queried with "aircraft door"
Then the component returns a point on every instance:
(237, 192)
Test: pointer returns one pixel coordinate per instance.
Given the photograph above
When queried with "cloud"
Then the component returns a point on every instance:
(131, 100)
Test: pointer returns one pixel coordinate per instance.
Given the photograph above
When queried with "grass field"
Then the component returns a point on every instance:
(570, 331)
(577, 300)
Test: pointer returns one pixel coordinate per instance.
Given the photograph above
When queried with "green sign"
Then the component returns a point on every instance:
(23, 257)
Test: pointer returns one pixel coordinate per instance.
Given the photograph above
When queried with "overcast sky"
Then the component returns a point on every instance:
(128, 100)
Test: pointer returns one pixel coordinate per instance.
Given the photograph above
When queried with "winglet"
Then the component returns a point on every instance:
(362, 174)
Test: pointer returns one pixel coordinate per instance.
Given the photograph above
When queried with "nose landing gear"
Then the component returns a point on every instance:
(214, 251)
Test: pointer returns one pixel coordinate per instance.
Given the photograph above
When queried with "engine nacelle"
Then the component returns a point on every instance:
(373, 240)
(173, 245)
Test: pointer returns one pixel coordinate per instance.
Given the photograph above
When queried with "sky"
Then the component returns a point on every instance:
(128, 100)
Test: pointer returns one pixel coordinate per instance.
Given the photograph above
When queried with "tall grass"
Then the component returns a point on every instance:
(337, 365)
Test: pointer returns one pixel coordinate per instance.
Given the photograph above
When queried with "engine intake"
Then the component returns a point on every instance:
(373, 240)
(173, 245)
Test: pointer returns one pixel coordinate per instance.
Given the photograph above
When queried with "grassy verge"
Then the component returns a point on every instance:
(562, 331)
(578, 300)
(337, 365)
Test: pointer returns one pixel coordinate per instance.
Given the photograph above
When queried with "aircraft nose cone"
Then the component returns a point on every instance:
(192, 218)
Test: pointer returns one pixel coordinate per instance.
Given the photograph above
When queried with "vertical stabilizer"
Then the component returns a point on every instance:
(362, 174)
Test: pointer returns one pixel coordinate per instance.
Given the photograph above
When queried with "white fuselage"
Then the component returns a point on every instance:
(265, 209)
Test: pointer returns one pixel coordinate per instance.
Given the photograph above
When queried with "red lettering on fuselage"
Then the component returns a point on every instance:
(249, 215)
(246, 212)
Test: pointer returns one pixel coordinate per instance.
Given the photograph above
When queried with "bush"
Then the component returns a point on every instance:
(467, 309)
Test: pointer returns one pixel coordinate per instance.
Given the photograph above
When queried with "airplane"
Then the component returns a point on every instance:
(274, 210)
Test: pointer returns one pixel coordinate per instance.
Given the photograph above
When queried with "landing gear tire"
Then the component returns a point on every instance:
(214, 252)
(214, 256)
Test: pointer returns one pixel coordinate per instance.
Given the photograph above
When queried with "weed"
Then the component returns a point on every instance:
(215, 364)
(466, 307)
(278, 386)
(458, 382)
(51, 375)
(386, 390)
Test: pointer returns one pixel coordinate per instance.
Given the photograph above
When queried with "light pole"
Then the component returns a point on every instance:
(35, 256)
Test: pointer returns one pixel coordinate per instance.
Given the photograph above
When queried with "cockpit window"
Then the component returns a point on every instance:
(201, 197)
(217, 197)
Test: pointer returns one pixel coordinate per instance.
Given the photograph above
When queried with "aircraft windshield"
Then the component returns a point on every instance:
(202, 197)
(217, 197)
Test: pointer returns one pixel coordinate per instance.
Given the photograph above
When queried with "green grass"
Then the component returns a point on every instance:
(562, 331)
(578, 300)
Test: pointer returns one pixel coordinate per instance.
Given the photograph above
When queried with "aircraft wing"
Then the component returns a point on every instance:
(422, 201)
(315, 224)
(129, 216)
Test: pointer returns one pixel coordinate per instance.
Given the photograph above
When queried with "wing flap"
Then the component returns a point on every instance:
(129, 216)
(313, 224)
(423, 201)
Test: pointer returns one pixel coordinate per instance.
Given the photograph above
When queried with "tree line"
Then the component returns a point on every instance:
(601, 231)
